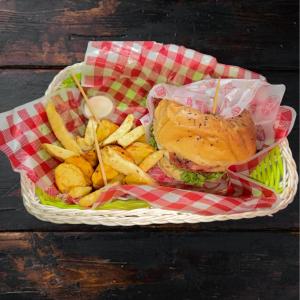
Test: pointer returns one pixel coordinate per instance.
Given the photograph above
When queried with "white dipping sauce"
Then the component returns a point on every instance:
(103, 106)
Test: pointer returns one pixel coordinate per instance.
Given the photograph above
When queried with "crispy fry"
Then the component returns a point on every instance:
(105, 128)
(58, 152)
(90, 199)
(123, 152)
(139, 151)
(97, 176)
(68, 176)
(91, 157)
(116, 161)
(79, 191)
(135, 178)
(60, 131)
(82, 144)
(122, 130)
(151, 160)
(89, 132)
(131, 136)
(117, 179)
(83, 165)
(142, 139)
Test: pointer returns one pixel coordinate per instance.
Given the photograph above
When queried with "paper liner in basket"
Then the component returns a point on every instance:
(128, 71)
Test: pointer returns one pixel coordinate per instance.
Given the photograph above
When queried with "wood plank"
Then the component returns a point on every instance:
(21, 86)
(139, 265)
(253, 34)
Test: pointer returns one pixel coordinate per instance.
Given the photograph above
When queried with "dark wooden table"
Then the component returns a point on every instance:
(246, 259)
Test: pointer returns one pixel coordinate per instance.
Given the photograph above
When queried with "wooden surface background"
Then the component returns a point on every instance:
(246, 259)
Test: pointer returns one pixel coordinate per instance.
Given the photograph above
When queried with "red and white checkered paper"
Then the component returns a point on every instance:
(124, 69)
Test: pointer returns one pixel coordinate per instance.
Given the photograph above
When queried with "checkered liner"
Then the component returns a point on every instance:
(127, 71)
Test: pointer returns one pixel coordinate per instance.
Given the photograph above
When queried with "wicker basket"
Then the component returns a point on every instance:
(153, 215)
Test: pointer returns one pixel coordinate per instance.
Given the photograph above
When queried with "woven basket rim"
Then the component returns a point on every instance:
(149, 215)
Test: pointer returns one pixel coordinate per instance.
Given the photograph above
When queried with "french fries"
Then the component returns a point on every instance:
(60, 131)
(90, 199)
(122, 152)
(68, 176)
(79, 191)
(105, 129)
(97, 175)
(139, 151)
(91, 157)
(82, 144)
(122, 130)
(83, 165)
(151, 160)
(89, 132)
(58, 152)
(112, 158)
(131, 136)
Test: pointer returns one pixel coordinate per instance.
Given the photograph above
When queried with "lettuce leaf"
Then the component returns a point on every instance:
(198, 179)
(152, 140)
(116, 204)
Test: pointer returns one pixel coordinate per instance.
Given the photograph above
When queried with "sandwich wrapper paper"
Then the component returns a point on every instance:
(135, 74)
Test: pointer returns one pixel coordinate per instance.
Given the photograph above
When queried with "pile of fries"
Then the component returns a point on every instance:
(126, 156)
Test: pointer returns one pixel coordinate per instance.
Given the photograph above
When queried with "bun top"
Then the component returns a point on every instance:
(210, 141)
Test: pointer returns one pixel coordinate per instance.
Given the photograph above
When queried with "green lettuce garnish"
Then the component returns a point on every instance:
(152, 140)
(116, 204)
(69, 82)
(199, 179)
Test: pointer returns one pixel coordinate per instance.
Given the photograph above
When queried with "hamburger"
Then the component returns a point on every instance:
(200, 146)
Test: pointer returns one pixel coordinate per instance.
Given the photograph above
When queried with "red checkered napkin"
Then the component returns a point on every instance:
(127, 71)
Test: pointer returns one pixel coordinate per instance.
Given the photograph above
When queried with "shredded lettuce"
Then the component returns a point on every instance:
(152, 140)
(199, 179)
(116, 204)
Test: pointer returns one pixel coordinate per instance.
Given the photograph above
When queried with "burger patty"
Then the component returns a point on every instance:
(188, 165)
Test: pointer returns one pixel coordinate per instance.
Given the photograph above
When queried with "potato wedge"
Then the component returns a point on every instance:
(58, 152)
(79, 191)
(142, 139)
(91, 157)
(105, 128)
(125, 154)
(151, 160)
(112, 158)
(139, 151)
(135, 178)
(83, 165)
(68, 176)
(89, 132)
(117, 179)
(83, 145)
(122, 130)
(90, 199)
(97, 175)
(131, 136)
(60, 131)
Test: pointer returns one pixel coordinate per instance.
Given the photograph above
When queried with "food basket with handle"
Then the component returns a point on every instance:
(285, 181)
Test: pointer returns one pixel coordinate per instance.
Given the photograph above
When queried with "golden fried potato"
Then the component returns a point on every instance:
(83, 145)
(68, 176)
(123, 152)
(131, 136)
(117, 179)
(79, 191)
(113, 158)
(139, 151)
(90, 199)
(60, 131)
(122, 130)
(142, 139)
(83, 165)
(89, 136)
(151, 160)
(58, 152)
(91, 157)
(105, 128)
(135, 178)
(97, 175)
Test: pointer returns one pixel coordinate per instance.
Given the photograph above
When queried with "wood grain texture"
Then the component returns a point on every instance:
(149, 266)
(253, 34)
(21, 86)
